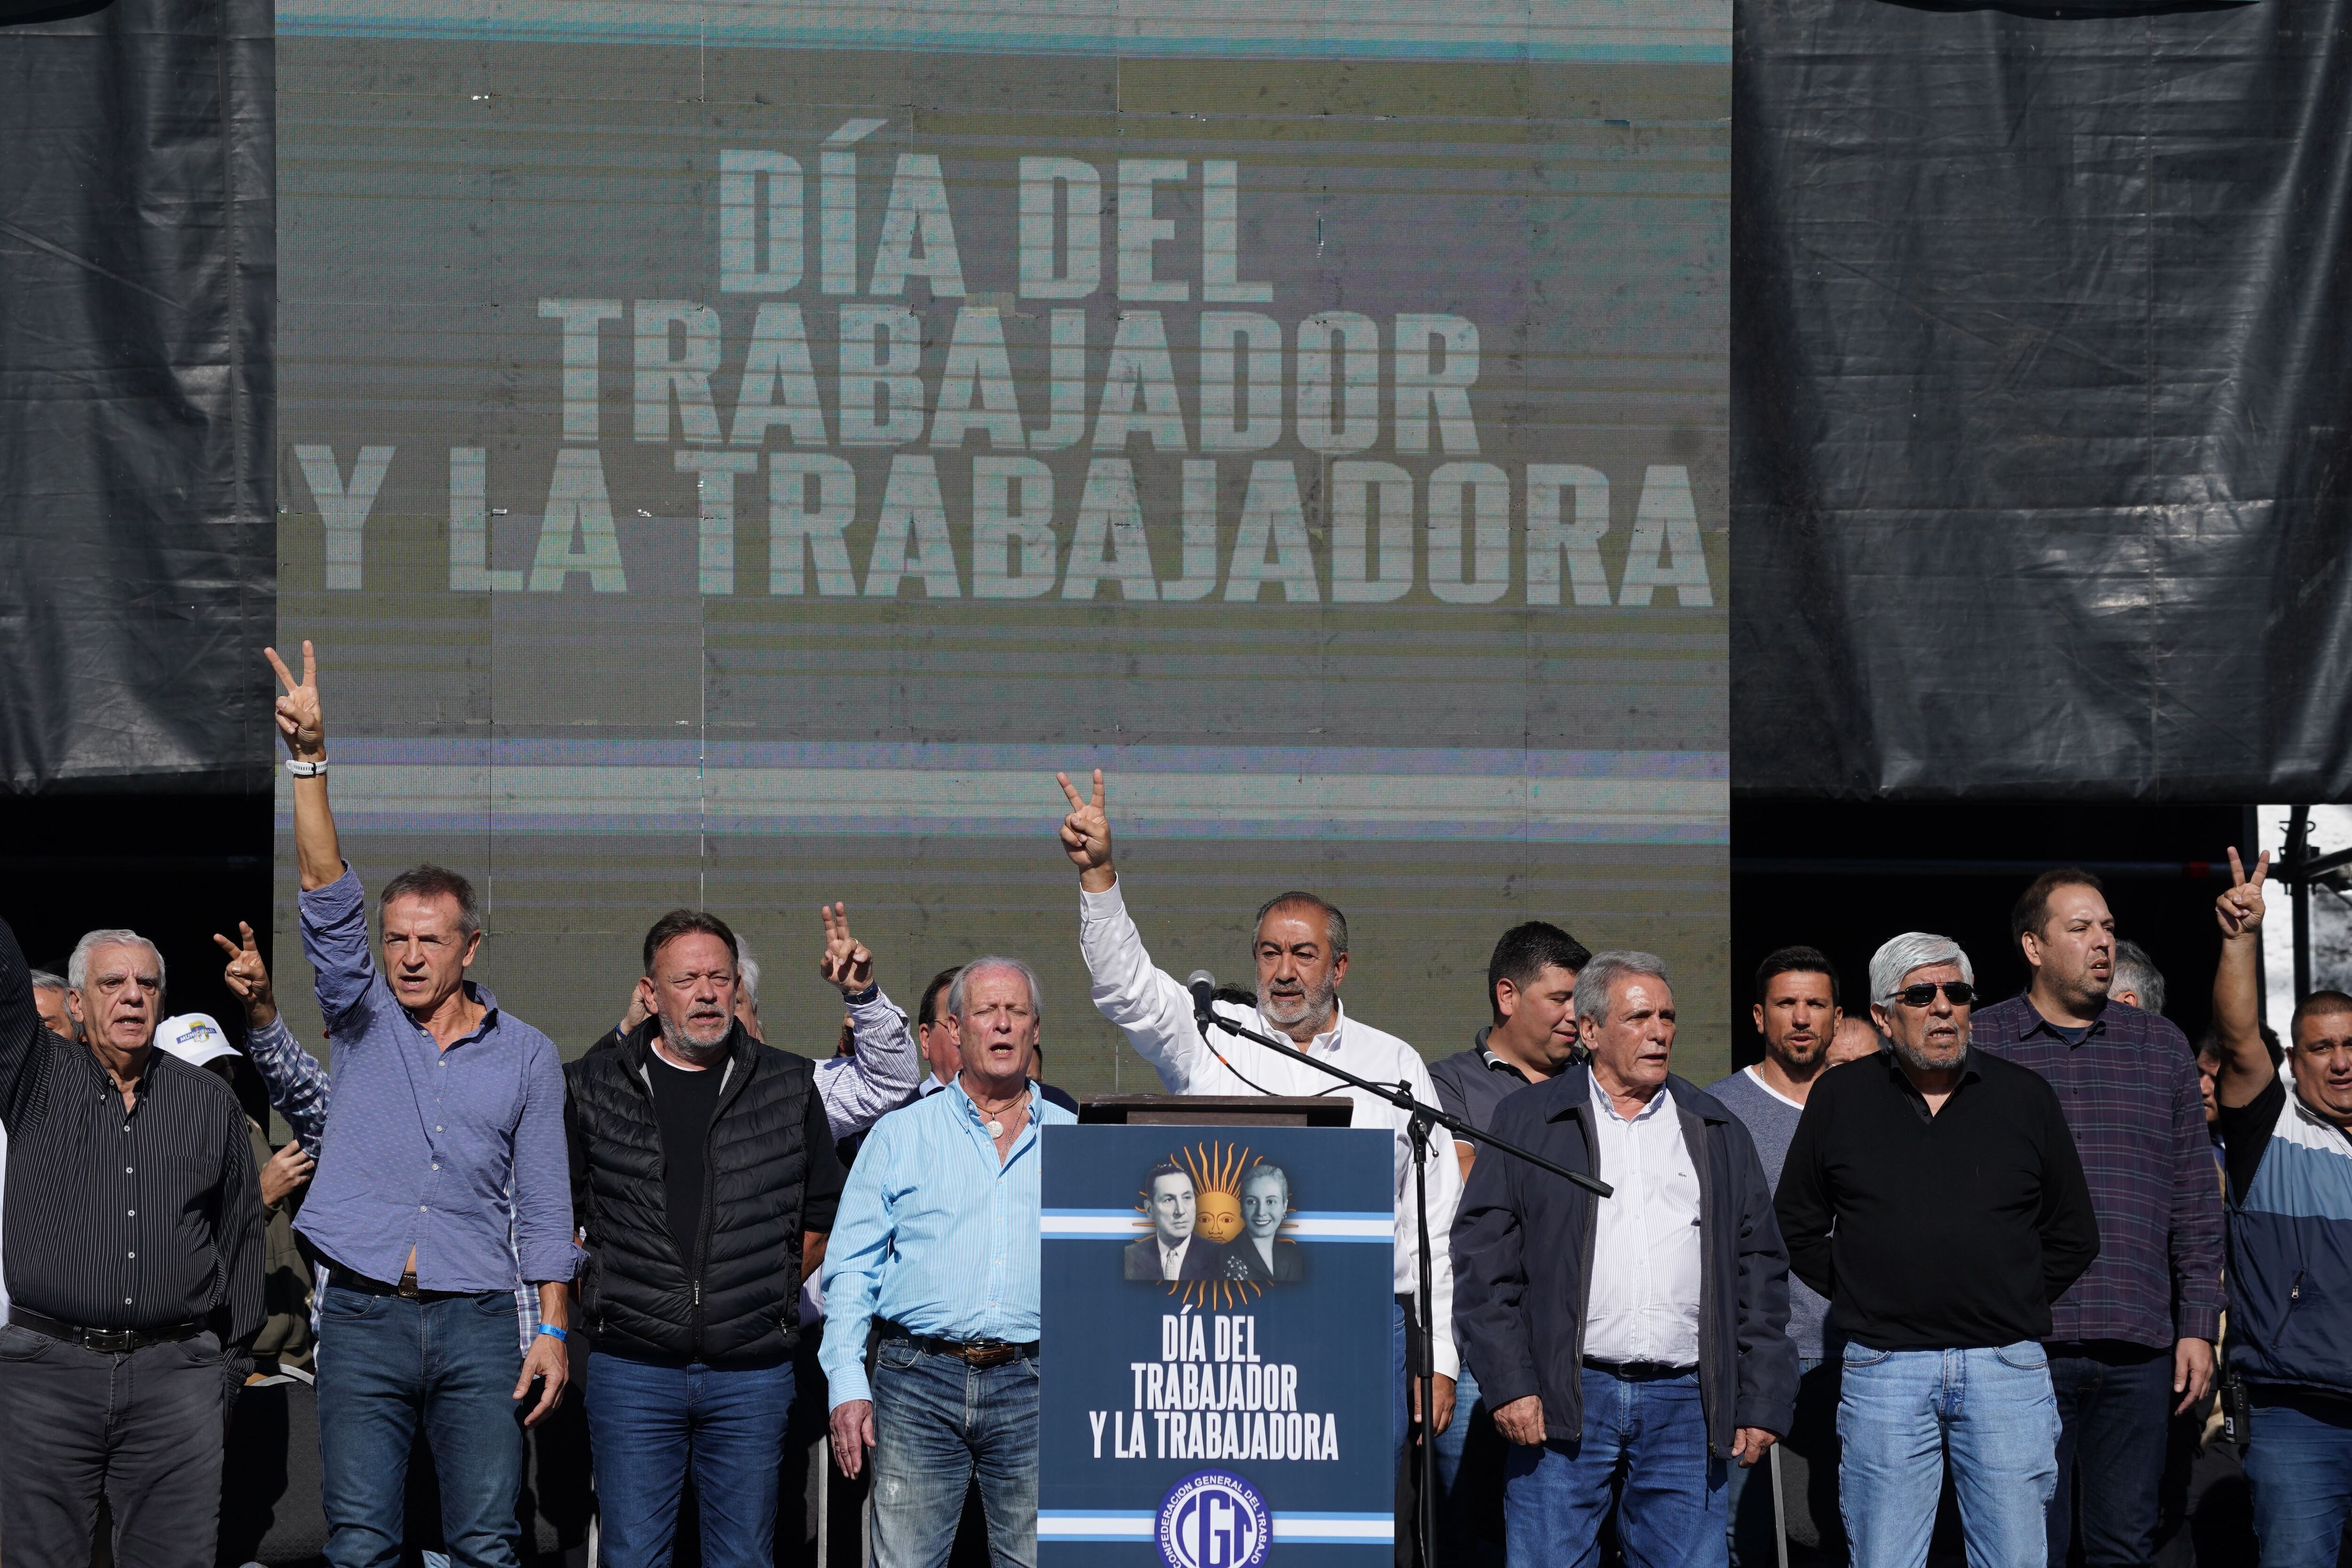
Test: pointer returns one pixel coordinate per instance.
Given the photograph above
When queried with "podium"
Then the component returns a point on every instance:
(1215, 1110)
(1219, 1324)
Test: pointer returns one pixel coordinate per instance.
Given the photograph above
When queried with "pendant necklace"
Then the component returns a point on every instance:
(995, 1125)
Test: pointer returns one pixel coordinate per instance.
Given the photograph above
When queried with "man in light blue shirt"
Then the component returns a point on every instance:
(936, 1243)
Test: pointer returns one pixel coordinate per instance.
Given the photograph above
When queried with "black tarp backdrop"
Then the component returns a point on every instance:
(138, 259)
(2041, 401)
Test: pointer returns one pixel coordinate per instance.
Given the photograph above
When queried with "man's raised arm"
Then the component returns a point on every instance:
(2246, 1069)
(880, 1075)
(1148, 1005)
(334, 914)
(317, 856)
(21, 1029)
(297, 1084)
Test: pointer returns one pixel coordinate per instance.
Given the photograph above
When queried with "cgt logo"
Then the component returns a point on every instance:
(1213, 1519)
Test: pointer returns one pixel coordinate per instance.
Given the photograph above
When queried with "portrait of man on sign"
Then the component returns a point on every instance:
(1257, 1254)
(1173, 1250)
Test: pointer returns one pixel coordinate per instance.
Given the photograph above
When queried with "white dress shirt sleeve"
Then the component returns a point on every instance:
(880, 1077)
(1151, 1008)
(1444, 1178)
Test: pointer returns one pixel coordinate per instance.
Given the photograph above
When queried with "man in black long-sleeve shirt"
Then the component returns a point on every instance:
(133, 1252)
(1934, 1195)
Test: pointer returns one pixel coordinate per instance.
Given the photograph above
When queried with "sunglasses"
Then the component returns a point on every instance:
(1959, 993)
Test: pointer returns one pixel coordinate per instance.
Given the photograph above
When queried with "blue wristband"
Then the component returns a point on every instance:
(552, 1329)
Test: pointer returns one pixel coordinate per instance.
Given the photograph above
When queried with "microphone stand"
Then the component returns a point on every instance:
(1423, 1116)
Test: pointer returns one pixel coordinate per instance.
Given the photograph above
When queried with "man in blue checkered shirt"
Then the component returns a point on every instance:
(2131, 1341)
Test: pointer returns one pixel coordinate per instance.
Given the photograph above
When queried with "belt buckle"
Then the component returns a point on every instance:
(406, 1288)
(110, 1342)
(986, 1353)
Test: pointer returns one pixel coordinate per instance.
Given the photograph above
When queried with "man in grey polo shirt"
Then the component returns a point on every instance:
(1797, 1013)
(1531, 998)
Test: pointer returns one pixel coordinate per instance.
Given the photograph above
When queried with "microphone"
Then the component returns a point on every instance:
(1203, 987)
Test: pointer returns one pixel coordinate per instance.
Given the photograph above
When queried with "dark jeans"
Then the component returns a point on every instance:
(388, 1368)
(1643, 1453)
(1469, 1482)
(2114, 1409)
(1755, 1523)
(144, 1429)
(937, 1424)
(646, 1423)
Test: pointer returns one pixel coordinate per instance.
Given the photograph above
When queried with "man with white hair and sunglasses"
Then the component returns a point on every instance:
(1936, 1197)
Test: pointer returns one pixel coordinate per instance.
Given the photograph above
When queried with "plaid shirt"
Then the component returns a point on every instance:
(2131, 1098)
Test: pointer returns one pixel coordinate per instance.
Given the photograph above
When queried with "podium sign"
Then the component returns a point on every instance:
(1244, 1409)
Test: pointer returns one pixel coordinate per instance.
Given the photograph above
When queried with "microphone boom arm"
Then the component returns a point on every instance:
(1400, 1097)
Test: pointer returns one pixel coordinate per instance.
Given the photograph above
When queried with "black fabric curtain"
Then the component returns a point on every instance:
(138, 295)
(2041, 393)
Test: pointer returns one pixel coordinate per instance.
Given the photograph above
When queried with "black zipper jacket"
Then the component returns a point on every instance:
(769, 1174)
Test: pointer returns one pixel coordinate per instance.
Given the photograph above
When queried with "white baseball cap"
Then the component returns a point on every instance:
(195, 1038)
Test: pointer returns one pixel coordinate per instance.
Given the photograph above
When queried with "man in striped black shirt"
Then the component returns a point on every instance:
(133, 1252)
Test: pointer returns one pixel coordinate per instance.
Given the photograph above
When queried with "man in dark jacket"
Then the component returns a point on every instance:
(1636, 1345)
(703, 1173)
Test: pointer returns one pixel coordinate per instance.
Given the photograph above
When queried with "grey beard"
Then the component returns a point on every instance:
(1921, 1061)
(675, 1040)
(1315, 1009)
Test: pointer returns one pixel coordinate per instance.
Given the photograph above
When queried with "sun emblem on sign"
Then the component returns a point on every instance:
(1217, 1174)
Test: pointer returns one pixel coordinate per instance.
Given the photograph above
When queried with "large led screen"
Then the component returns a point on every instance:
(735, 454)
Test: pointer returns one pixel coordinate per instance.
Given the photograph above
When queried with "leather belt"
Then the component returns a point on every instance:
(980, 1354)
(341, 1279)
(106, 1341)
(1640, 1370)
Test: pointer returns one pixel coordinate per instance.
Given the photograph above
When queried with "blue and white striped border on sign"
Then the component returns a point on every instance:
(1297, 1528)
(1310, 1225)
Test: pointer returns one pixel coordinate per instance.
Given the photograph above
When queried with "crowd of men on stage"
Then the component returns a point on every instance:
(1996, 1232)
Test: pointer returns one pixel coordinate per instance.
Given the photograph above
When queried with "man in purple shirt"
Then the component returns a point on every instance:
(448, 1132)
(2132, 1339)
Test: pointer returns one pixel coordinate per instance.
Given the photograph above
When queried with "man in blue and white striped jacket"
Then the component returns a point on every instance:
(2290, 1266)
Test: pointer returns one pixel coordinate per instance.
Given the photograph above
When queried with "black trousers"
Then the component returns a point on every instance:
(143, 1429)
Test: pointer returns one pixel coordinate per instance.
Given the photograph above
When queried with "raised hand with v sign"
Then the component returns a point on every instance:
(1086, 835)
(846, 964)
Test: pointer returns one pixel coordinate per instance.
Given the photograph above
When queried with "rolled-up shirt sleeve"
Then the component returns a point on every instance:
(542, 1172)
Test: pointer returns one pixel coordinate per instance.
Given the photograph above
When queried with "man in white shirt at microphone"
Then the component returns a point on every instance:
(1301, 952)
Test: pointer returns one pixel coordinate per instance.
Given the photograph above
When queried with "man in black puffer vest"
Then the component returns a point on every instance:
(704, 1175)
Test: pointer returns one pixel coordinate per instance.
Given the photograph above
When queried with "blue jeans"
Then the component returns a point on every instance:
(646, 1423)
(2114, 1413)
(936, 1422)
(1645, 1446)
(1469, 1518)
(385, 1366)
(1897, 1409)
(2298, 1458)
(1761, 1530)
